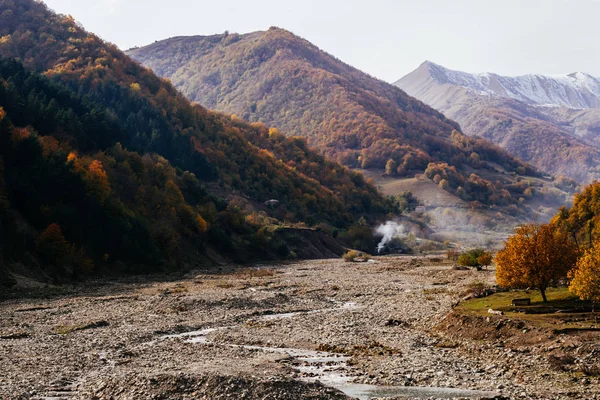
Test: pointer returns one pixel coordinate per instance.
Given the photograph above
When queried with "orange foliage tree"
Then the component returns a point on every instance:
(536, 256)
(52, 244)
(98, 181)
(485, 259)
(585, 277)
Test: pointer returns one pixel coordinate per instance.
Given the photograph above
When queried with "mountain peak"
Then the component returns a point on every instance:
(577, 90)
(431, 66)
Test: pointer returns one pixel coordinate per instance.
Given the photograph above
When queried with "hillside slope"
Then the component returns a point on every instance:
(282, 80)
(109, 161)
(551, 122)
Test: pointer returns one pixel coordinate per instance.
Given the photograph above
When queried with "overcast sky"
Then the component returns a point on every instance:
(385, 38)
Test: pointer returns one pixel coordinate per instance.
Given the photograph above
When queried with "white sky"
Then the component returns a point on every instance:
(384, 38)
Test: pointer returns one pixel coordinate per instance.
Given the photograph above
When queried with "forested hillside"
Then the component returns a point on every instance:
(103, 163)
(284, 81)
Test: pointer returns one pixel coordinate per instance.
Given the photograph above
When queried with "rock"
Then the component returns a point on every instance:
(394, 322)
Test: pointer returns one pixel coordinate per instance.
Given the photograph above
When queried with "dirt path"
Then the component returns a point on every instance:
(268, 336)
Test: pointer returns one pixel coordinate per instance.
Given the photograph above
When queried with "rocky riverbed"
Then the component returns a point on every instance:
(308, 330)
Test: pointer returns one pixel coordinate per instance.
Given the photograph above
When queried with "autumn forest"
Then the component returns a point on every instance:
(120, 170)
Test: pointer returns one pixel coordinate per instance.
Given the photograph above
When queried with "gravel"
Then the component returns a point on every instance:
(387, 317)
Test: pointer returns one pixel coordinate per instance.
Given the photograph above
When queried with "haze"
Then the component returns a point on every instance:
(384, 38)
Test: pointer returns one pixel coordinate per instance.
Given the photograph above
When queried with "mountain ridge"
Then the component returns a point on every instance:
(577, 90)
(558, 139)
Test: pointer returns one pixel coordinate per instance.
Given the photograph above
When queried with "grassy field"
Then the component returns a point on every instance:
(562, 311)
(558, 299)
(424, 189)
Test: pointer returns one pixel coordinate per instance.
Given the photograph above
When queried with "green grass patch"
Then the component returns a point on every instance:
(563, 310)
(558, 299)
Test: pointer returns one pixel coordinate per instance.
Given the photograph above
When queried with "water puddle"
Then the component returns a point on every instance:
(366, 392)
(271, 317)
(195, 336)
(331, 368)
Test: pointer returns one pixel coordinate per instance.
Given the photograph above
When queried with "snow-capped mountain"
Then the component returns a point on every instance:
(576, 90)
(552, 122)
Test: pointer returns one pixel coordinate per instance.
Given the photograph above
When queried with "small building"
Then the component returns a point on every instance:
(521, 302)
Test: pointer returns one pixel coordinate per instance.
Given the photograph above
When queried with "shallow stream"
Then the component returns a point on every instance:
(329, 368)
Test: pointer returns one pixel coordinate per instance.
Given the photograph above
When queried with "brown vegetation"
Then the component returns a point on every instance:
(284, 81)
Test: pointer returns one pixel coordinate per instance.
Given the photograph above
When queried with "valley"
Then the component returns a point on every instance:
(246, 216)
(455, 220)
(376, 329)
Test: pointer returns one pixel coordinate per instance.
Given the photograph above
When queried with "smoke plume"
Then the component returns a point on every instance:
(389, 230)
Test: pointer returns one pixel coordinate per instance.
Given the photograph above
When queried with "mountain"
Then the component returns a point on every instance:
(576, 90)
(105, 165)
(552, 122)
(286, 82)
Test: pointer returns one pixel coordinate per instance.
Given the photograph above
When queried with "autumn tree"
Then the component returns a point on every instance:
(475, 258)
(562, 220)
(98, 181)
(52, 245)
(390, 167)
(585, 277)
(201, 224)
(485, 259)
(536, 256)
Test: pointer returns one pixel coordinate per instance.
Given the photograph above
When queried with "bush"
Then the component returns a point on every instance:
(475, 258)
(350, 256)
(256, 272)
(485, 259)
(356, 256)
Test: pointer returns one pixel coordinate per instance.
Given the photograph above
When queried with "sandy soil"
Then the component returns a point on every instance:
(374, 324)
